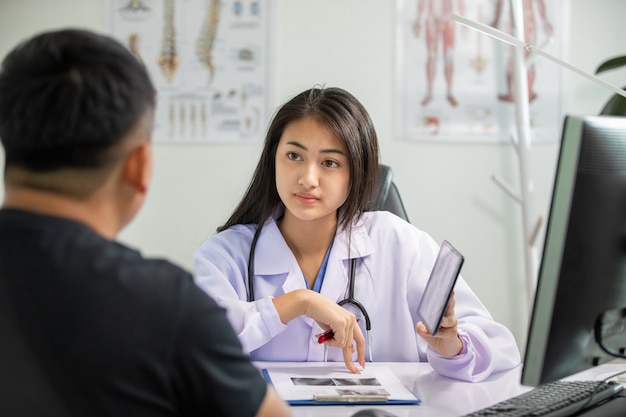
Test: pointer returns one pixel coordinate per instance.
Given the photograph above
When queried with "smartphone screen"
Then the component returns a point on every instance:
(439, 287)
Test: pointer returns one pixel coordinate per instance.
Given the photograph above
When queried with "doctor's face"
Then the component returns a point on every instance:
(312, 170)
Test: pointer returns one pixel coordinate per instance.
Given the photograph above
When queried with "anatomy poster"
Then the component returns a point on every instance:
(456, 83)
(208, 60)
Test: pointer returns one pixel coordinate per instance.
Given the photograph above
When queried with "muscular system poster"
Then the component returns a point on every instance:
(455, 83)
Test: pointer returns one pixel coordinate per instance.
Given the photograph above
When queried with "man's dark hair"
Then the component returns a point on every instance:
(67, 97)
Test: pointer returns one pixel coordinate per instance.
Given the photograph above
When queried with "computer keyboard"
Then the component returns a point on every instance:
(555, 399)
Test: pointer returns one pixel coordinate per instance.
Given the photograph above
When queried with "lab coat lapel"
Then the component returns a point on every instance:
(273, 257)
(336, 280)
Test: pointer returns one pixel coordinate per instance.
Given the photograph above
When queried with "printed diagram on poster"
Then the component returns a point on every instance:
(208, 60)
(455, 83)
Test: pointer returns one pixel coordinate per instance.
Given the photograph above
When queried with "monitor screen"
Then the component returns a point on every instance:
(582, 277)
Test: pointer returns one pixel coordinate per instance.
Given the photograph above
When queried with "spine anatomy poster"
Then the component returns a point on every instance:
(456, 83)
(208, 60)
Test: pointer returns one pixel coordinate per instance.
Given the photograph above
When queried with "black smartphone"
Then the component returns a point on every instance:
(439, 286)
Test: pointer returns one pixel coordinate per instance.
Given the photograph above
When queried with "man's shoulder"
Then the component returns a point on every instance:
(68, 251)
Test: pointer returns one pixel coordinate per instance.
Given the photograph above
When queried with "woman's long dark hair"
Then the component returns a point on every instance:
(349, 121)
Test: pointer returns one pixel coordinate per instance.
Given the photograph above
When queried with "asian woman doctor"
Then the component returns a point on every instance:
(306, 211)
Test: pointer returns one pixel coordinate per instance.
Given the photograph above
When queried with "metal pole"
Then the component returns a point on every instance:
(522, 116)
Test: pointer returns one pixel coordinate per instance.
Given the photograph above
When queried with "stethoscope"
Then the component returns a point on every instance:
(349, 300)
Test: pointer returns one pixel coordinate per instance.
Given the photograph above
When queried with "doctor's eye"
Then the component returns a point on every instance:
(330, 163)
(293, 156)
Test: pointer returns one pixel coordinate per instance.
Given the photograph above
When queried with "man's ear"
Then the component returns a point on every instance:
(137, 170)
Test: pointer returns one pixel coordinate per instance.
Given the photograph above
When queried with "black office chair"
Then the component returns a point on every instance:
(386, 196)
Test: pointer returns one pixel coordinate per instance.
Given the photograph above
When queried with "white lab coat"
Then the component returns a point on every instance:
(394, 262)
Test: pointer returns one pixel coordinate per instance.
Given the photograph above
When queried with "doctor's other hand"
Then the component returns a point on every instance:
(446, 341)
(329, 315)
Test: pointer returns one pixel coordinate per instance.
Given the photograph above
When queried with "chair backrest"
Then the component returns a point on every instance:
(386, 196)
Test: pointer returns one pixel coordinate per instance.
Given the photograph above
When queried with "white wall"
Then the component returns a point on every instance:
(350, 43)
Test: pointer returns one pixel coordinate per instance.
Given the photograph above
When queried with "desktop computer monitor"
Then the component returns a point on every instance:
(579, 311)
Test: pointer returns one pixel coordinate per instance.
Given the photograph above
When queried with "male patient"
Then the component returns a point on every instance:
(109, 332)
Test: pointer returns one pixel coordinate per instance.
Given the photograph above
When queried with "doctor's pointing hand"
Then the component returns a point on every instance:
(330, 316)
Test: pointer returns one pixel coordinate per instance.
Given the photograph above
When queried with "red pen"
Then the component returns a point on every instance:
(328, 334)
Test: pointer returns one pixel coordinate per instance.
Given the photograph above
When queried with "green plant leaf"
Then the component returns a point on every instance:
(612, 63)
(616, 106)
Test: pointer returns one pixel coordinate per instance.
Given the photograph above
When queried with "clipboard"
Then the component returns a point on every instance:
(333, 385)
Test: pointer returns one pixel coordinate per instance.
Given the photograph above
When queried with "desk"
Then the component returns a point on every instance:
(440, 396)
